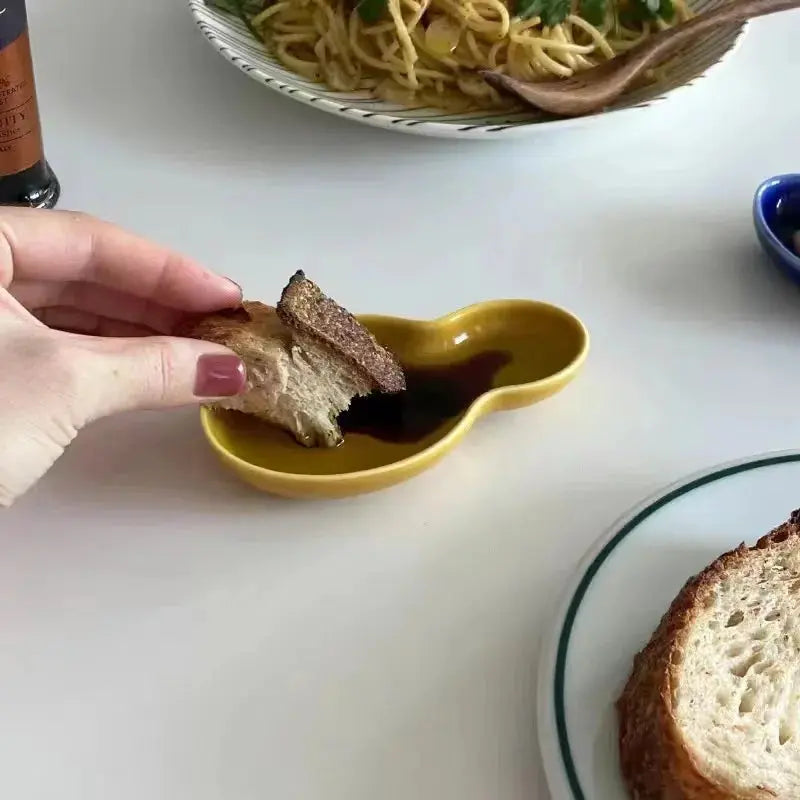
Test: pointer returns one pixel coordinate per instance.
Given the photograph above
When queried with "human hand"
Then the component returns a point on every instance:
(114, 293)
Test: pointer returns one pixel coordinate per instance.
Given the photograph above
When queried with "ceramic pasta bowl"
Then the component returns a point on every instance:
(232, 39)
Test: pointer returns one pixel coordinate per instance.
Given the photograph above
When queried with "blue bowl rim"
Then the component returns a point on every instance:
(792, 179)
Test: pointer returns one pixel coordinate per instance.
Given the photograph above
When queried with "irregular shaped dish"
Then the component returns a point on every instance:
(543, 348)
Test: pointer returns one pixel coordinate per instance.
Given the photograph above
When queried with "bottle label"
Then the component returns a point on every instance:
(20, 130)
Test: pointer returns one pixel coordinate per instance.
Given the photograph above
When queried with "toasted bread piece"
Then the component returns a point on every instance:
(305, 359)
(711, 710)
(318, 320)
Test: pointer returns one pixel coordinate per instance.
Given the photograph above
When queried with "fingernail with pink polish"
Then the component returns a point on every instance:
(219, 375)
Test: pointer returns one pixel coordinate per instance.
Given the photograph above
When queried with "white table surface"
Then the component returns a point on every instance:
(165, 633)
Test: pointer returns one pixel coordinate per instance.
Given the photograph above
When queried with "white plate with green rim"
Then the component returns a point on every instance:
(618, 596)
(232, 39)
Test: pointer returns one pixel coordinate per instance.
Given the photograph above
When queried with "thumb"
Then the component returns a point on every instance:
(154, 372)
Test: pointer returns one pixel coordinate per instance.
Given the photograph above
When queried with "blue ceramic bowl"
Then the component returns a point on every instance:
(776, 213)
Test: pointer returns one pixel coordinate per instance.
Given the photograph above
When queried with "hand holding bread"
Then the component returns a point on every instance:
(100, 321)
(85, 313)
(306, 360)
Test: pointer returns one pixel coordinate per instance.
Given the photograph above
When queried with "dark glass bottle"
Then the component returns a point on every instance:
(25, 176)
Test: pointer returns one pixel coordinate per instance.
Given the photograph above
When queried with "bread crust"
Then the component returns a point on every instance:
(304, 308)
(655, 760)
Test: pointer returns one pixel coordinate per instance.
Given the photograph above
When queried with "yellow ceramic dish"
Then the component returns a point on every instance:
(547, 347)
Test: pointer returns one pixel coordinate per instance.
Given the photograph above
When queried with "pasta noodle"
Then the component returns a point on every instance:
(429, 52)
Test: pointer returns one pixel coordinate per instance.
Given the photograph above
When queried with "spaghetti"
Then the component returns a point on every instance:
(430, 52)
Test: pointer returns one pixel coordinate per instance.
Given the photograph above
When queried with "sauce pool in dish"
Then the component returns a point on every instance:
(434, 395)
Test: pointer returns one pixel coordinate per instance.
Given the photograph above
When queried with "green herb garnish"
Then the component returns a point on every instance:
(666, 10)
(244, 9)
(555, 12)
(525, 9)
(552, 12)
(593, 11)
(638, 11)
(371, 11)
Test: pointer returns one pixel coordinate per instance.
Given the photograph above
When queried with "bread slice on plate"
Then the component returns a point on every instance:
(711, 710)
(306, 360)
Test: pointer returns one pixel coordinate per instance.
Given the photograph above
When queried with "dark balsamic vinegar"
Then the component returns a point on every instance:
(434, 395)
(380, 429)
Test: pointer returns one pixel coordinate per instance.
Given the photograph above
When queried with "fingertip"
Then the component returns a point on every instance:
(235, 290)
(220, 294)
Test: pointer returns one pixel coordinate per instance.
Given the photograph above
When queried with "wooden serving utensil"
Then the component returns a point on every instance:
(599, 86)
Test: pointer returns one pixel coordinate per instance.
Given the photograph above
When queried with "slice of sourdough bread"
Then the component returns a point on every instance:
(711, 710)
(306, 360)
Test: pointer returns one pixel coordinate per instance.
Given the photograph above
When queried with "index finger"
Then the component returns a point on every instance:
(65, 246)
